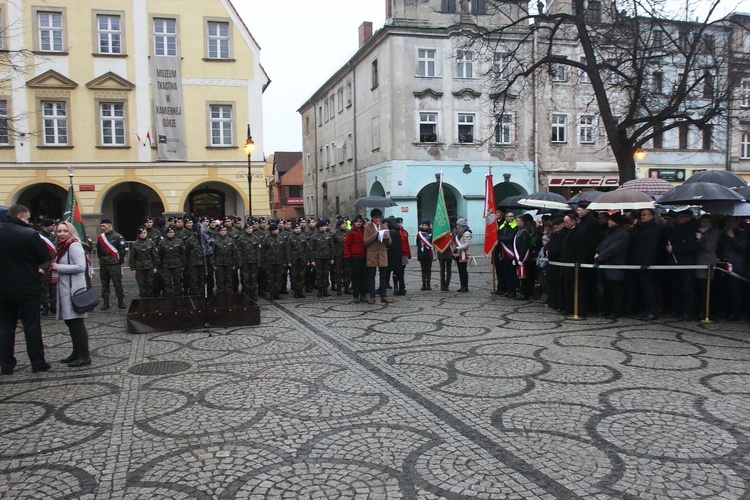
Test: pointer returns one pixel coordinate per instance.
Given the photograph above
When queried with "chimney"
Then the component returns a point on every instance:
(388, 9)
(365, 32)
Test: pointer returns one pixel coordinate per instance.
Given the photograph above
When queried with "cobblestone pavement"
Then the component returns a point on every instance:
(438, 395)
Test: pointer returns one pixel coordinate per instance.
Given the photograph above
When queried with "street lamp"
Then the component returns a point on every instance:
(249, 147)
(639, 155)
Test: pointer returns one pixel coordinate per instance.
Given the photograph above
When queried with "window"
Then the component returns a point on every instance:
(586, 129)
(332, 105)
(465, 64)
(109, 34)
(328, 155)
(478, 6)
(746, 43)
(341, 99)
(745, 146)
(349, 146)
(50, 28)
(220, 118)
(504, 129)
(559, 128)
(428, 127)
(707, 136)
(165, 37)
(448, 6)
(594, 12)
(218, 39)
(613, 77)
(348, 94)
(558, 72)
(112, 122)
(708, 86)
(326, 111)
(320, 116)
(658, 140)
(745, 93)
(658, 38)
(466, 128)
(583, 77)
(426, 62)
(657, 82)
(709, 44)
(55, 123)
(501, 65)
(375, 73)
(683, 136)
(4, 135)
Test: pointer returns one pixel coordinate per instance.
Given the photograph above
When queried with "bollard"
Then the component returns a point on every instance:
(575, 294)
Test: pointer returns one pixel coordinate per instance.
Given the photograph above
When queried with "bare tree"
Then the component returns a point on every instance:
(649, 70)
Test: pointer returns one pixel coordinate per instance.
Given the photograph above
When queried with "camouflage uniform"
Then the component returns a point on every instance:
(226, 258)
(342, 274)
(310, 272)
(144, 259)
(49, 289)
(261, 234)
(321, 253)
(172, 257)
(275, 258)
(299, 251)
(250, 260)
(199, 267)
(110, 267)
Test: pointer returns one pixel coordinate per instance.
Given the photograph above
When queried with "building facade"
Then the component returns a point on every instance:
(143, 106)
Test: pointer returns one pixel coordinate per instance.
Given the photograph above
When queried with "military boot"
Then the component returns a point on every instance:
(301, 295)
(338, 290)
(320, 292)
(325, 292)
(45, 309)
(105, 304)
(121, 303)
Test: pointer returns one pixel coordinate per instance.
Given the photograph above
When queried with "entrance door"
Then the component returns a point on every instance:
(130, 209)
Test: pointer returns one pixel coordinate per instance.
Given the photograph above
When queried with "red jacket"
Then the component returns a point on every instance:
(405, 248)
(354, 245)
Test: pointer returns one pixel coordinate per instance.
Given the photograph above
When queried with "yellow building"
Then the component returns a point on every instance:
(145, 105)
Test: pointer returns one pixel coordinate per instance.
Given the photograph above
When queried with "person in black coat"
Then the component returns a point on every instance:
(682, 245)
(732, 253)
(644, 251)
(22, 251)
(613, 250)
(553, 253)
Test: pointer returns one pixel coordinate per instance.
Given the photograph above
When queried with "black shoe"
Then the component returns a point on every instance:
(338, 291)
(320, 292)
(499, 293)
(41, 368)
(296, 294)
(463, 289)
(647, 317)
(69, 359)
(325, 292)
(613, 317)
(429, 287)
(6, 371)
(80, 362)
(285, 292)
(301, 295)
(521, 296)
(121, 304)
(273, 296)
(363, 298)
(45, 310)
(105, 305)
(253, 297)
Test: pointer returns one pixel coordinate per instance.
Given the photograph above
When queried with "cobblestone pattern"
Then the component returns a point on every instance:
(439, 395)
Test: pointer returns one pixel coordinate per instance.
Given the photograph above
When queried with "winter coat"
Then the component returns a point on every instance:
(377, 251)
(423, 251)
(354, 245)
(464, 242)
(72, 277)
(143, 255)
(394, 250)
(706, 251)
(734, 250)
(613, 250)
(172, 253)
(21, 253)
(117, 241)
(684, 244)
(646, 244)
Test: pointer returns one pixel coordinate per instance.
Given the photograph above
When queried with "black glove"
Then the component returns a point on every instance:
(596, 264)
(643, 267)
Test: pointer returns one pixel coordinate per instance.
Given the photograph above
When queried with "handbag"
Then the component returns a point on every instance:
(84, 299)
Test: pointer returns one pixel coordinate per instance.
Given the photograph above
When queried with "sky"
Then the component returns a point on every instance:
(303, 42)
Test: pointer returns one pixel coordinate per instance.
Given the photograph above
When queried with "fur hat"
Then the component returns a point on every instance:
(462, 222)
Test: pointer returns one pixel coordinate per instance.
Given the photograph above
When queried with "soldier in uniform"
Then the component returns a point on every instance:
(152, 232)
(321, 256)
(310, 271)
(299, 251)
(49, 289)
(275, 259)
(172, 257)
(226, 258)
(341, 270)
(198, 263)
(250, 260)
(144, 262)
(261, 232)
(110, 248)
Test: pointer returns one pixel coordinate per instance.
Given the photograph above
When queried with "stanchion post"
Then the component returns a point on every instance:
(709, 272)
(575, 293)
(494, 290)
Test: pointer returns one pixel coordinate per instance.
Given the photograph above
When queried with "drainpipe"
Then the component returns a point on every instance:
(535, 116)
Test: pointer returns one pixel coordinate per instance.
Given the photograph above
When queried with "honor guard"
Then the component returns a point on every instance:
(173, 263)
(144, 262)
(110, 248)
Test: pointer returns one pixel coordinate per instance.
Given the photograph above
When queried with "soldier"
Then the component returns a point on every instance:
(261, 232)
(250, 260)
(275, 259)
(341, 270)
(425, 253)
(172, 257)
(110, 248)
(226, 258)
(49, 289)
(321, 256)
(310, 272)
(199, 264)
(144, 262)
(299, 251)
(153, 232)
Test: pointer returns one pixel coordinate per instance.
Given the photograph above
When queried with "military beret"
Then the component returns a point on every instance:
(261, 219)
(273, 226)
(105, 221)
(248, 224)
(141, 229)
(148, 219)
(426, 222)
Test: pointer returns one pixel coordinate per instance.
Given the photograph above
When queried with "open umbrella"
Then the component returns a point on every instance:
(736, 208)
(744, 192)
(622, 199)
(511, 201)
(697, 193)
(648, 186)
(585, 195)
(723, 177)
(374, 201)
(552, 201)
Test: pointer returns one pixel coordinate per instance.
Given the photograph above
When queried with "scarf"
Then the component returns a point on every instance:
(62, 248)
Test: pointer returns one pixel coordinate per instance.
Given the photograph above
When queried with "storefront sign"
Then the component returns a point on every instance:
(584, 181)
(668, 174)
(86, 187)
(295, 201)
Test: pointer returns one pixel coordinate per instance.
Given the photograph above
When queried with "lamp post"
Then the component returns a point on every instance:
(249, 147)
(639, 155)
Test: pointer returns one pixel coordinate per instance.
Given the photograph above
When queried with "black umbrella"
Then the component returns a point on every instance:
(697, 193)
(585, 195)
(374, 201)
(735, 208)
(511, 201)
(723, 177)
(552, 201)
(744, 192)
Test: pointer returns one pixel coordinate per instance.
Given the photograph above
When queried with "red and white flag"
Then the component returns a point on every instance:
(490, 222)
(108, 247)
(48, 243)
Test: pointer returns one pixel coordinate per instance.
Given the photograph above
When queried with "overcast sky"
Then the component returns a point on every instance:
(303, 42)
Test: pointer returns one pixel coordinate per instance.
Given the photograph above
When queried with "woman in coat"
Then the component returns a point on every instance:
(70, 265)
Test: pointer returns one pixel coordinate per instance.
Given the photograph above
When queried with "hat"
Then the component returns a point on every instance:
(103, 221)
(357, 217)
(273, 226)
(140, 229)
(558, 220)
(301, 219)
(295, 225)
(321, 223)
(171, 218)
(583, 204)
(170, 228)
(261, 219)
(685, 212)
(618, 218)
(462, 222)
(248, 224)
(287, 220)
(47, 222)
(147, 219)
(399, 220)
(426, 222)
(340, 221)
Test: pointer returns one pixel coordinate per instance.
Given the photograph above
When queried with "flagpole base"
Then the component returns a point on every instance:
(575, 317)
(706, 321)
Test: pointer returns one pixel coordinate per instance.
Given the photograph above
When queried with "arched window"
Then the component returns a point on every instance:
(207, 202)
